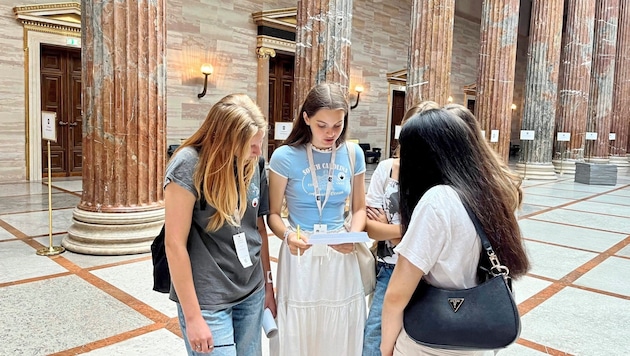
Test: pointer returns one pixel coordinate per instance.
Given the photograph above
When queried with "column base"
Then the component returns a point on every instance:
(536, 171)
(597, 160)
(622, 163)
(564, 167)
(113, 233)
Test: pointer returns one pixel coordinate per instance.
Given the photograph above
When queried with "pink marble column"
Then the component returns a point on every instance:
(322, 50)
(429, 65)
(602, 79)
(541, 84)
(577, 55)
(497, 62)
(124, 108)
(621, 92)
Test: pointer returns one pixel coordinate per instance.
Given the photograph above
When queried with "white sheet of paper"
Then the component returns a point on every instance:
(338, 238)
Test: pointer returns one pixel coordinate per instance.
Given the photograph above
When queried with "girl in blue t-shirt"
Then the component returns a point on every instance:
(320, 298)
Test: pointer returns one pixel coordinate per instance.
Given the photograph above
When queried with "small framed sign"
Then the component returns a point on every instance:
(494, 136)
(282, 130)
(564, 136)
(397, 131)
(591, 136)
(527, 135)
(49, 126)
(612, 136)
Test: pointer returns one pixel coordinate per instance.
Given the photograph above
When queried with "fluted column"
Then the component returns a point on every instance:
(541, 88)
(602, 79)
(262, 88)
(124, 79)
(575, 78)
(429, 65)
(322, 45)
(497, 62)
(621, 91)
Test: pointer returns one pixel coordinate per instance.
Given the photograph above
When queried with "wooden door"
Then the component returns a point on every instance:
(398, 112)
(61, 93)
(281, 68)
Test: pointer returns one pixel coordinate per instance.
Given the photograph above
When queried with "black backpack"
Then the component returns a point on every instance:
(161, 273)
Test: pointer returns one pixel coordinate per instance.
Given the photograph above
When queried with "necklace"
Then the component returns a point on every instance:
(329, 149)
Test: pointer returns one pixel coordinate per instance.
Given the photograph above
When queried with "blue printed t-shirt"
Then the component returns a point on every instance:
(292, 163)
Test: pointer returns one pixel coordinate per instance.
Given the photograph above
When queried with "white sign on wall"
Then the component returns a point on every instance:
(612, 136)
(494, 136)
(282, 130)
(527, 135)
(397, 131)
(49, 126)
(564, 136)
(591, 136)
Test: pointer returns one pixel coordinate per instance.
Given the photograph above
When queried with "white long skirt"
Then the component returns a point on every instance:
(321, 304)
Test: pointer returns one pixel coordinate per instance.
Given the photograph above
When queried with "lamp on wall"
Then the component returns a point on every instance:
(513, 106)
(449, 99)
(359, 90)
(206, 70)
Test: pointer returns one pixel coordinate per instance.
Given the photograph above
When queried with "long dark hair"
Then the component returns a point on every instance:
(321, 96)
(439, 148)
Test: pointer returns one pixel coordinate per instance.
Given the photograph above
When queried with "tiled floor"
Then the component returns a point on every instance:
(574, 301)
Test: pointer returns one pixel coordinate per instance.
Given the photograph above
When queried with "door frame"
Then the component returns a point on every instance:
(42, 26)
(390, 103)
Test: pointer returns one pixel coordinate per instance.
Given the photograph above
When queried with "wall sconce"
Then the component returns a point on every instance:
(206, 70)
(359, 90)
(513, 106)
(450, 99)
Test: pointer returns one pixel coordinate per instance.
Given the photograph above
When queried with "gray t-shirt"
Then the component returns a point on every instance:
(220, 279)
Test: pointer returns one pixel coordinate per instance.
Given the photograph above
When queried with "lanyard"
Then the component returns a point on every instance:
(331, 171)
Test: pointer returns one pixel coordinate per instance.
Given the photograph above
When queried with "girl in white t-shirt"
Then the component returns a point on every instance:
(442, 166)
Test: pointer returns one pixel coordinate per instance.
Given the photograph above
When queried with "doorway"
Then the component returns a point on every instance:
(61, 93)
(281, 70)
(398, 112)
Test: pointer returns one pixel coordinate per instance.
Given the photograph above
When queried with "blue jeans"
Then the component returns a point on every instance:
(239, 327)
(372, 331)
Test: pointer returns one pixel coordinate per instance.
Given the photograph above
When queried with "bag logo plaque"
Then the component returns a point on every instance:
(455, 303)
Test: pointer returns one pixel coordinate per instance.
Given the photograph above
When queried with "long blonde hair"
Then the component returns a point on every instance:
(225, 169)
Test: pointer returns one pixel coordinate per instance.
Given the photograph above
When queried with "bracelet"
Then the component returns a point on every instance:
(269, 280)
(286, 233)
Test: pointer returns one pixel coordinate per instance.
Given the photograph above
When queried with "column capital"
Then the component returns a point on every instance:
(265, 52)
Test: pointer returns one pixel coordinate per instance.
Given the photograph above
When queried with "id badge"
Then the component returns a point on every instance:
(320, 228)
(240, 243)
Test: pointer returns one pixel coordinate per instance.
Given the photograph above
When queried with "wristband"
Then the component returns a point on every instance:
(286, 233)
(269, 280)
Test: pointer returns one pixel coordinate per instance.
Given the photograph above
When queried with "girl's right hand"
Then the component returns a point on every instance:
(199, 335)
(294, 243)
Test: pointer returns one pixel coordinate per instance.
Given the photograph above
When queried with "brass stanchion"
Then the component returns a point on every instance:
(50, 250)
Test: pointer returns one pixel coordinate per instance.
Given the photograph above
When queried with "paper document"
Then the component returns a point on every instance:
(338, 238)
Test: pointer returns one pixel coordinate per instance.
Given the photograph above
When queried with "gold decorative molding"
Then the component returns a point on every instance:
(58, 18)
(277, 44)
(281, 19)
(264, 52)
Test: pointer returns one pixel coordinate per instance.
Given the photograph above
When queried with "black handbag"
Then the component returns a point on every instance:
(484, 317)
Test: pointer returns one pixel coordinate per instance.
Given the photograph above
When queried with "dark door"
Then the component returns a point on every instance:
(280, 94)
(61, 93)
(398, 112)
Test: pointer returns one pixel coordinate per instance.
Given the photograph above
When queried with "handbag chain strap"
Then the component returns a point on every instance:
(496, 268)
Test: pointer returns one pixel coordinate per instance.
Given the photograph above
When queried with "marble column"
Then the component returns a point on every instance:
(577, 54)
(429, 64)
(602, 79)
(124, 108)
(621, 91)
(497, 62)
(322, 45)
(541, 89)
(262, 89)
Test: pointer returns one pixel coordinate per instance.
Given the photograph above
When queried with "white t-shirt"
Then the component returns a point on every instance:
(441, 240)
(383, 193)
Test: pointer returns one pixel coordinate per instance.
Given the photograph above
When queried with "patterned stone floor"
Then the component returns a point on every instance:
(574, 301)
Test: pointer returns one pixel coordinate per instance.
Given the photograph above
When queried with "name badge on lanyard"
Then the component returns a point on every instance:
(240, 244)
